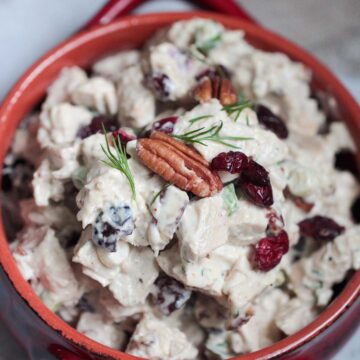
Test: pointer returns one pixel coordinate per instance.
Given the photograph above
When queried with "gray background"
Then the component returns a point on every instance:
(328, 28)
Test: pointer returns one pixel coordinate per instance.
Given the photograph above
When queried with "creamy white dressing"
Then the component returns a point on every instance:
(205, 244)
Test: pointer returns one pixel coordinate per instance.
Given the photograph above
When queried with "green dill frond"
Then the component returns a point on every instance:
(200, 135)
(118, 160)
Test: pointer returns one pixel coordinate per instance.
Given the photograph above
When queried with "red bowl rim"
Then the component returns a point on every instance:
(343, 301)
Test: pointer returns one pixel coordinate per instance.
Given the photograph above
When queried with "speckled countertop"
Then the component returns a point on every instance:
(328, 28)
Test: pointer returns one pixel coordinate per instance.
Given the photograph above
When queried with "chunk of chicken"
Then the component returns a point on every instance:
(153, 339)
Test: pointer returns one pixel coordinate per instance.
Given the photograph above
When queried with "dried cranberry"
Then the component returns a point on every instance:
(345, 160)
(255, 182)
(232, 161)
(271, 121)
(219, 70)
(255, 174)
(275, 224)
(269, 251)
(298, 201)
(170, 295)
(165, 125)
(259, 195)
(320, 228)
(111, 225)
(161, 84)
(123, 136)
(109, 122)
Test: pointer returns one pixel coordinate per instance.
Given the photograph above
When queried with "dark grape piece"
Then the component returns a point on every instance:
(271, 121)
(232, 162)
(110, 226)
(320, 228)
(96, 126)
(165, 125)
(161, 85)
(269, 251)
(170, 295)
(345, 160)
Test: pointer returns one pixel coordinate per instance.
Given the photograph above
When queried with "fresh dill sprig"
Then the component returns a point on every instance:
(237, 108)
(196, 119)
(209, 44)
(159, 193)
(118, 160)
(200, 135)
(193, 52)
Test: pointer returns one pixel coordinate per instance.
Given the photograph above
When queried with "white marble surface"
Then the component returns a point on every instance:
(328, 28)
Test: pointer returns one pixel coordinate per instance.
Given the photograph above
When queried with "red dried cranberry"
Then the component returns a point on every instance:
(123, 136)
(161, 84)
(254, 173)
(320, 228)
(219, 70)
(275, 224)
(271, 121)
(170, 295)
(269, 251)
(232, 161)
(96, 126)
(345, 160)
(165, 125)
(255, 182)
(259, 195)
(298, 201)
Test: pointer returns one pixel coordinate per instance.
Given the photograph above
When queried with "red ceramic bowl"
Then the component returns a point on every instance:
(41, 331)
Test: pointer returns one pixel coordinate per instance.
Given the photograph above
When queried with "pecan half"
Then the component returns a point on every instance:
(178, 164)
(215, 87)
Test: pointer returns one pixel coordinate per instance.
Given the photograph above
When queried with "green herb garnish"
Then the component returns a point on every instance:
(196, 119)
(159, 192)
(198, 136)
(209, 44)
(118, 160)
(230, 199)
(196, 54)
(237, 108)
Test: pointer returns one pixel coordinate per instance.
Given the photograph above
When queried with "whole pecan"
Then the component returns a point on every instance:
(178, 164)
(215, 87)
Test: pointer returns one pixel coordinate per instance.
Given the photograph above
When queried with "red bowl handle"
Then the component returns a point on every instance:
(117, 8)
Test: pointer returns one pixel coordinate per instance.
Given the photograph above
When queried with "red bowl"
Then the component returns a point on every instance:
(43, 332)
